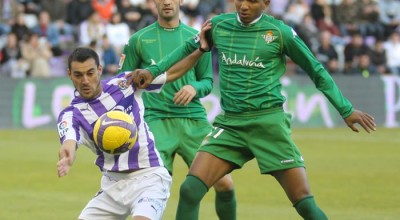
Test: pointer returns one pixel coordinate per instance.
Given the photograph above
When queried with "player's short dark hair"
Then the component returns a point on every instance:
(81, 54)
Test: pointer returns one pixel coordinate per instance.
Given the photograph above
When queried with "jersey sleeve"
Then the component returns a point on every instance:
(178, 54)
(295, 48)
(68, 128)
(130, 58)
(157, 84)
(204, 76)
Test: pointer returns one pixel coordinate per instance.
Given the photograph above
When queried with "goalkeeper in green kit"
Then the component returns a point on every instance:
(251, 53)
(176, 116)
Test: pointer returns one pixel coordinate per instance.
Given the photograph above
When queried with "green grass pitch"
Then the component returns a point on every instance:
(354, 176)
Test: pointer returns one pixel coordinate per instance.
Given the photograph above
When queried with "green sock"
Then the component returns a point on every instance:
(191, 192)
(225, 205)
(308, 209)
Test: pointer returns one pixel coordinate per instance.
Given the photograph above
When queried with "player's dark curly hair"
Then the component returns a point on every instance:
(81, 54)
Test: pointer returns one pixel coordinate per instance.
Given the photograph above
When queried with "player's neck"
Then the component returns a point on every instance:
(174, 23)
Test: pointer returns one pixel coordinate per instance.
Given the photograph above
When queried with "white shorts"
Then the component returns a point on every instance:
(141, 193)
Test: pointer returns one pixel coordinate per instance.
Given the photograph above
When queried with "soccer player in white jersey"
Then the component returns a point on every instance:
(135, 183)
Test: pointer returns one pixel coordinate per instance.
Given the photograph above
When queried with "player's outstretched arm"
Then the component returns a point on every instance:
(66, 157)
(364, 119)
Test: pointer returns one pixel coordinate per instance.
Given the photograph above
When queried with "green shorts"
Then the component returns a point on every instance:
(264, 135)
(180, 136)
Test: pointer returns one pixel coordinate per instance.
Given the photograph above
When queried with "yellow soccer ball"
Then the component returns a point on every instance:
(115, 132)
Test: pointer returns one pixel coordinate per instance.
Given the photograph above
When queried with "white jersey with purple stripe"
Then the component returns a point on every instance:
(76, 122)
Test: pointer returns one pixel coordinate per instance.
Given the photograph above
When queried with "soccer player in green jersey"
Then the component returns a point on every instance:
(175, 115)
(251, 53)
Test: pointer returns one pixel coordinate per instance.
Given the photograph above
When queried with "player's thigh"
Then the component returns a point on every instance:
(194, 132)
(272, 144)
(153, 192)
(103, 207)
(167, 135)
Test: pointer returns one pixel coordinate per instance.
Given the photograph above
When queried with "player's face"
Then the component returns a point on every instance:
(249, 10)
(86, 78)
(168, 9)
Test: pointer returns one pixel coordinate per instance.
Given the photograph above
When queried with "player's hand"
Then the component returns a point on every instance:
(140, 78)
(364, 119)
(205, 43)
(185, 95)
(63, 166)
(65, 161)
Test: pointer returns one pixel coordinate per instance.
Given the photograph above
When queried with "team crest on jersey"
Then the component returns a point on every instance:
(121, 61)
(62, 128)
(122, 84)
(269, 37)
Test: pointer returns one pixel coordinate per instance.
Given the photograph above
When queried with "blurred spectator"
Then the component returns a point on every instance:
(138, 3)
(149, 14)
(31, 10)
(308, 31)
(37, 53)
(55, 8)
(48, 30)
(278, 8)
(190, 7)
(68, 34)
(368, 12)
(377, 55)
(389, 15)
(110, 58)
(19, 28)
(347, 17)
(327, 53)
(78, 11)
(12, 64)
(353, 50)
(105, 8)
(118, 33)
(364, 67)
(91, 29)
(31, 6)
(8, 12)
(130, 14)
(295, 12)
(207, 7)
(321, 12)
(392, 47)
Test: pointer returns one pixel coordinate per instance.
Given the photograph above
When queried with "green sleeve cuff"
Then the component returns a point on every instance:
(154, 70)
(348, 113)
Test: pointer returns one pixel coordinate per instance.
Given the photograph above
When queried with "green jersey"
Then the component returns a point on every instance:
(148, 46)
(252, 59)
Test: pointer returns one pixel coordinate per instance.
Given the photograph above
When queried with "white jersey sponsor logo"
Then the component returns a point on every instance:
(243, 61)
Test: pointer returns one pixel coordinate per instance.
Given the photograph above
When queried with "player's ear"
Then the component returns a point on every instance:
(100, 69)
(69, 73)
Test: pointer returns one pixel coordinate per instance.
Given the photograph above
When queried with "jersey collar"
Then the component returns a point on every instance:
(169, 29)
(247, 25)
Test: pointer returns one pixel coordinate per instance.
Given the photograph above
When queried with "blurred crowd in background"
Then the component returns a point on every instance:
(347, 36)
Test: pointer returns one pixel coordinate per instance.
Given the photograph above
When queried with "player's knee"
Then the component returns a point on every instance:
(224, 184)
(187, 194)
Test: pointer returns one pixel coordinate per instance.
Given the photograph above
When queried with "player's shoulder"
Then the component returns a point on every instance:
(279, 24)
(143, 32)
(118, 80)
(186, 28)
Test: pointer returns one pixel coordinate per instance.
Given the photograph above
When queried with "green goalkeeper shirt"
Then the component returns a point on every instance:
(148, 46)
(252, 59)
